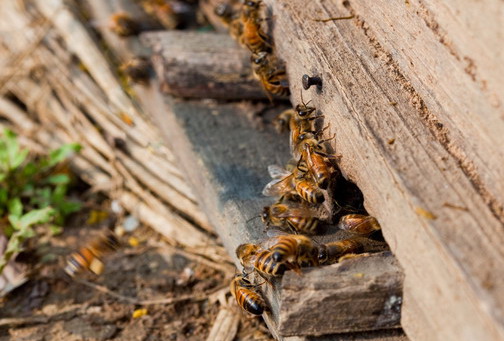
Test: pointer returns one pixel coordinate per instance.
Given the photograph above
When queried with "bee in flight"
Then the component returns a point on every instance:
(291, 185)
(296, 217)
(359, 224)
(247, 296)
(90, 256)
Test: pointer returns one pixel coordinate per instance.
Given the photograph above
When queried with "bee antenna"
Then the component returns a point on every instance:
(302, 101)
(257, 216)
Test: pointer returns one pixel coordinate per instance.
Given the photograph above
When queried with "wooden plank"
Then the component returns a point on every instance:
(413, 143)
(203, 65)
(358, 294)
(213, 142)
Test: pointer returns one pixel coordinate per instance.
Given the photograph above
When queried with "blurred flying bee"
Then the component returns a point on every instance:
(359, 224)
(247, 295)
(137, 69)
(89, 257)
(290, 185)
(253, 36)
(330, 253)
(230, 18)
(124, 25)
(272, 75)
(163, 11)
(296, 217)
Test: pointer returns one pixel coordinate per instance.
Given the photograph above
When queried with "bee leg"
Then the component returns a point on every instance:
(352, 255)
(266, 279)
(295, 267)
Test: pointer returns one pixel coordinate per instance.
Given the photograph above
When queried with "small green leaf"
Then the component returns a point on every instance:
(3, 196)
(15, 207)
(30, 169)
(58, 194)
(36, 217)
(60, 154)
(67, 207)
(18, 159)
(58, 179)
(8, 231)
(15, 221)
(55, 229)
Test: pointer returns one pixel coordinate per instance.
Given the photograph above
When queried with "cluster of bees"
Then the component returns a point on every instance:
(301, 188)
(245, 24)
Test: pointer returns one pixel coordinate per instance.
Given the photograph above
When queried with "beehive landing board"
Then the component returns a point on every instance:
(225, 152)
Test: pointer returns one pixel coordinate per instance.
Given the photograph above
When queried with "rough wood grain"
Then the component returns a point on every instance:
(226, 156)
(357, 294)
(204, 65)
(418, 136)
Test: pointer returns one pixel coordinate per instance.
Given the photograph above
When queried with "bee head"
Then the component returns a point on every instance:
(265, 214)
(322, 254)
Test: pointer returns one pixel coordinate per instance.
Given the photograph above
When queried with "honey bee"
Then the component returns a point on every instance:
(89, 256)
(317, 165)
(265, 264)
(137, 69)
(231, 19)
(253, 36)
(298, 218)
(246, 253)
(303, 110)
(291, 185)
(295, 249)
(272, 75)
(246, 295)
(359, 224)
(330, 253)
(124, 25)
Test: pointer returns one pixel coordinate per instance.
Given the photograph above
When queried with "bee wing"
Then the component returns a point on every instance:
(277, 187)
(273, 233)
(297, 212)
(277, 172)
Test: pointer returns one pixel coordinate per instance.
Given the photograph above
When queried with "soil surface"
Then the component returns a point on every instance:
(52, 306)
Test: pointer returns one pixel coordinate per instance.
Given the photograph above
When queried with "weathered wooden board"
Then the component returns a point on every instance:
(204, 65)
(225, 151)
(421, 139)
(231, 173)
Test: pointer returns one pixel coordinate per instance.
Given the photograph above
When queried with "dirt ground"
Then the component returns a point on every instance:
(51, 306)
